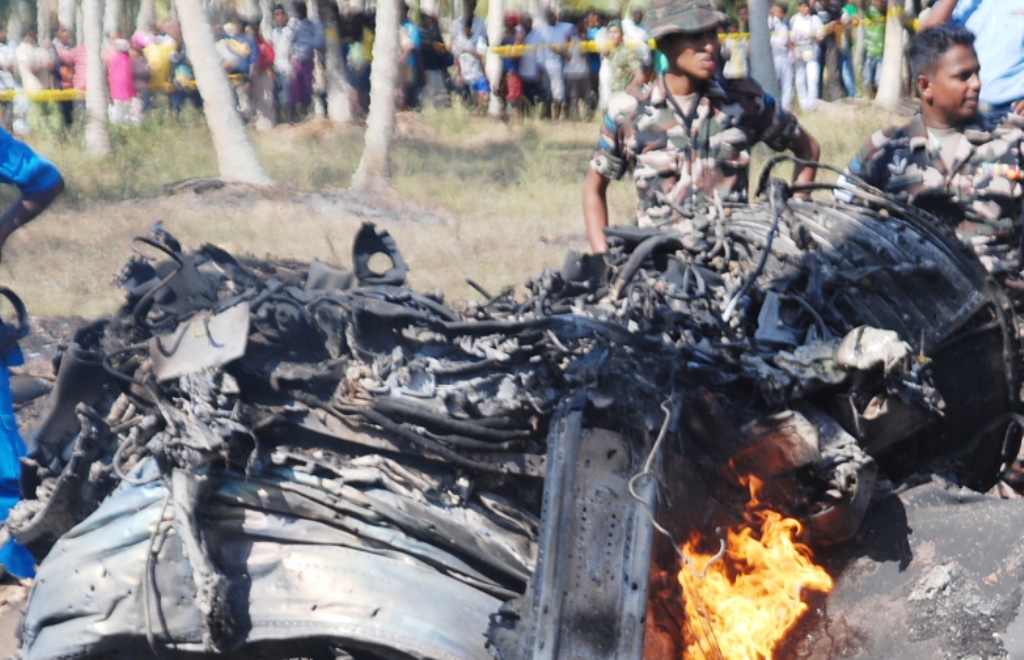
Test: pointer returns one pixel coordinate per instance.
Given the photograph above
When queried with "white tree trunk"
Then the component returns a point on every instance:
(43, 21)
(495, 30)
(236, 157)
(339, 108)
(147, 14)
(762, 66)
(97, 141)
(267, 18)
(111, 16)
(66, 15)
(356, 6)
(890, 87)
(19, 20)
(375, 166)
(80, 25)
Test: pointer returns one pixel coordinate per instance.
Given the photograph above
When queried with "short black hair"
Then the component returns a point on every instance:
(929, 45)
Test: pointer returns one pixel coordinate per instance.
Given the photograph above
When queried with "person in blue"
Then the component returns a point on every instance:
(39, 183)
(998, 26)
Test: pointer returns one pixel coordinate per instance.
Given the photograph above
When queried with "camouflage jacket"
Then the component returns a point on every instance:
(977, 194)
(671, 163)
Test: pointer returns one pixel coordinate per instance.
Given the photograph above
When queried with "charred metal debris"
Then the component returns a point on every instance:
(302, 460)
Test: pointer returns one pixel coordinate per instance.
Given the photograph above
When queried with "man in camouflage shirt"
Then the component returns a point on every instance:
(946, 160)
(689, 135)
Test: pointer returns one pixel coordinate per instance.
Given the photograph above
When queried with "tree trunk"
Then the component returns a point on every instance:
(495, 31)
(43, 22)
(111, 16)
(19, 19)
(97, 141)
(236, 157)
(339, 108)
(890, 87)
(147, 14)
(267, 18)
(66, 15)
(80, 25)
(762, 66)
(375, 166)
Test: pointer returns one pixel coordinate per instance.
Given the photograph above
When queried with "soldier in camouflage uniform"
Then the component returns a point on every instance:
(688, 136)
(946, 161)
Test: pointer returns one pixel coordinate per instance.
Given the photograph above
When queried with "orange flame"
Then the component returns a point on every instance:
(750, 598)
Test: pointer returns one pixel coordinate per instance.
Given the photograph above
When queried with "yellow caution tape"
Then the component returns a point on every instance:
(43, 96)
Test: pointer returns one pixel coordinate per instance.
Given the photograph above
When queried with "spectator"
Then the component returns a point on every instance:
(8, 63)
(410, 63)
(262, 80)
(530, 70)
(782, 53)
(64, 60)
(120, 80)
(1000, 49)
(828, 62)
(239, 54)
(874, 46)
(637, 36)
(436, 60)
(735, 52)
(469, 52)
(34, 63)
(845, 38)
(806, 32)
(79, 78)
(309, 39)
(555, 38)
(597, 35)
(626, 67)
(158, 55)
(479, 27)
(743, 19)
(283, 37)
(511, 84)
(577, 74)
(140, 79)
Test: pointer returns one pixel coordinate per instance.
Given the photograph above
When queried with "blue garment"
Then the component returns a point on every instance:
(414, 36)
(999, 28)
(593, 59)
(309, 37)
(14, 557)
(24, 168)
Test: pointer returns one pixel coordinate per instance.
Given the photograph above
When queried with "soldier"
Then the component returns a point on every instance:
(947, 160)
(689, 136)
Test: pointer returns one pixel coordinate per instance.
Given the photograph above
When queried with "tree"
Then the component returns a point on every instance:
(111, 16)
(147, 14)
(890, 87)
(339, 108)
(236, 157)
(97, 141)
(43, 21)
(762, 66)
(66, 14)
(375, 166)
(495, 31)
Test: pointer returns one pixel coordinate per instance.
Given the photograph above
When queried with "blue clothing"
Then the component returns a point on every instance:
(14, 557)
(414, 36)
(999, 28)
(24, 168)
(309, 37)
(593, 59)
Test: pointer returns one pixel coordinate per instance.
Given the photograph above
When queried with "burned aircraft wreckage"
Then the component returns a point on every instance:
(272, 459)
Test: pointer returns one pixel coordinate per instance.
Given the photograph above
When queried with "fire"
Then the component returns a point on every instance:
(750, 598)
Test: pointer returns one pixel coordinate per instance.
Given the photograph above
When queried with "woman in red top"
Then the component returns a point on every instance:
(263, 81)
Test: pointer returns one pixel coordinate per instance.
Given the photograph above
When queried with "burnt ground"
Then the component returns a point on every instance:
(935, 572)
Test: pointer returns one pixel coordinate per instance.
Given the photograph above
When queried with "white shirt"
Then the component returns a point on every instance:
(282, 39)
(780, 35)
(32, 61)
(805, 28)
(633, 32)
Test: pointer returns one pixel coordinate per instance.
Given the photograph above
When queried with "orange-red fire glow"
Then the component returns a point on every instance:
(752, 597)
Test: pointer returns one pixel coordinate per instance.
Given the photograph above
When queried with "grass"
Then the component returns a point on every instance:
(473, 198)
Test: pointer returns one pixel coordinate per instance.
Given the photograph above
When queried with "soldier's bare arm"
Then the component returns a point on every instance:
(595, 210)
(940, 13)
(805, 147)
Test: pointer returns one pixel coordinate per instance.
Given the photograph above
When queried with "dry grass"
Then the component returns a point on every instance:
(473, 198)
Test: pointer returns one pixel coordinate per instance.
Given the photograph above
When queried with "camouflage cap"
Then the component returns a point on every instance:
(686, 16)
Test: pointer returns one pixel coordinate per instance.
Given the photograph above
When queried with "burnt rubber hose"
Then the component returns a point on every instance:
(642, 251)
